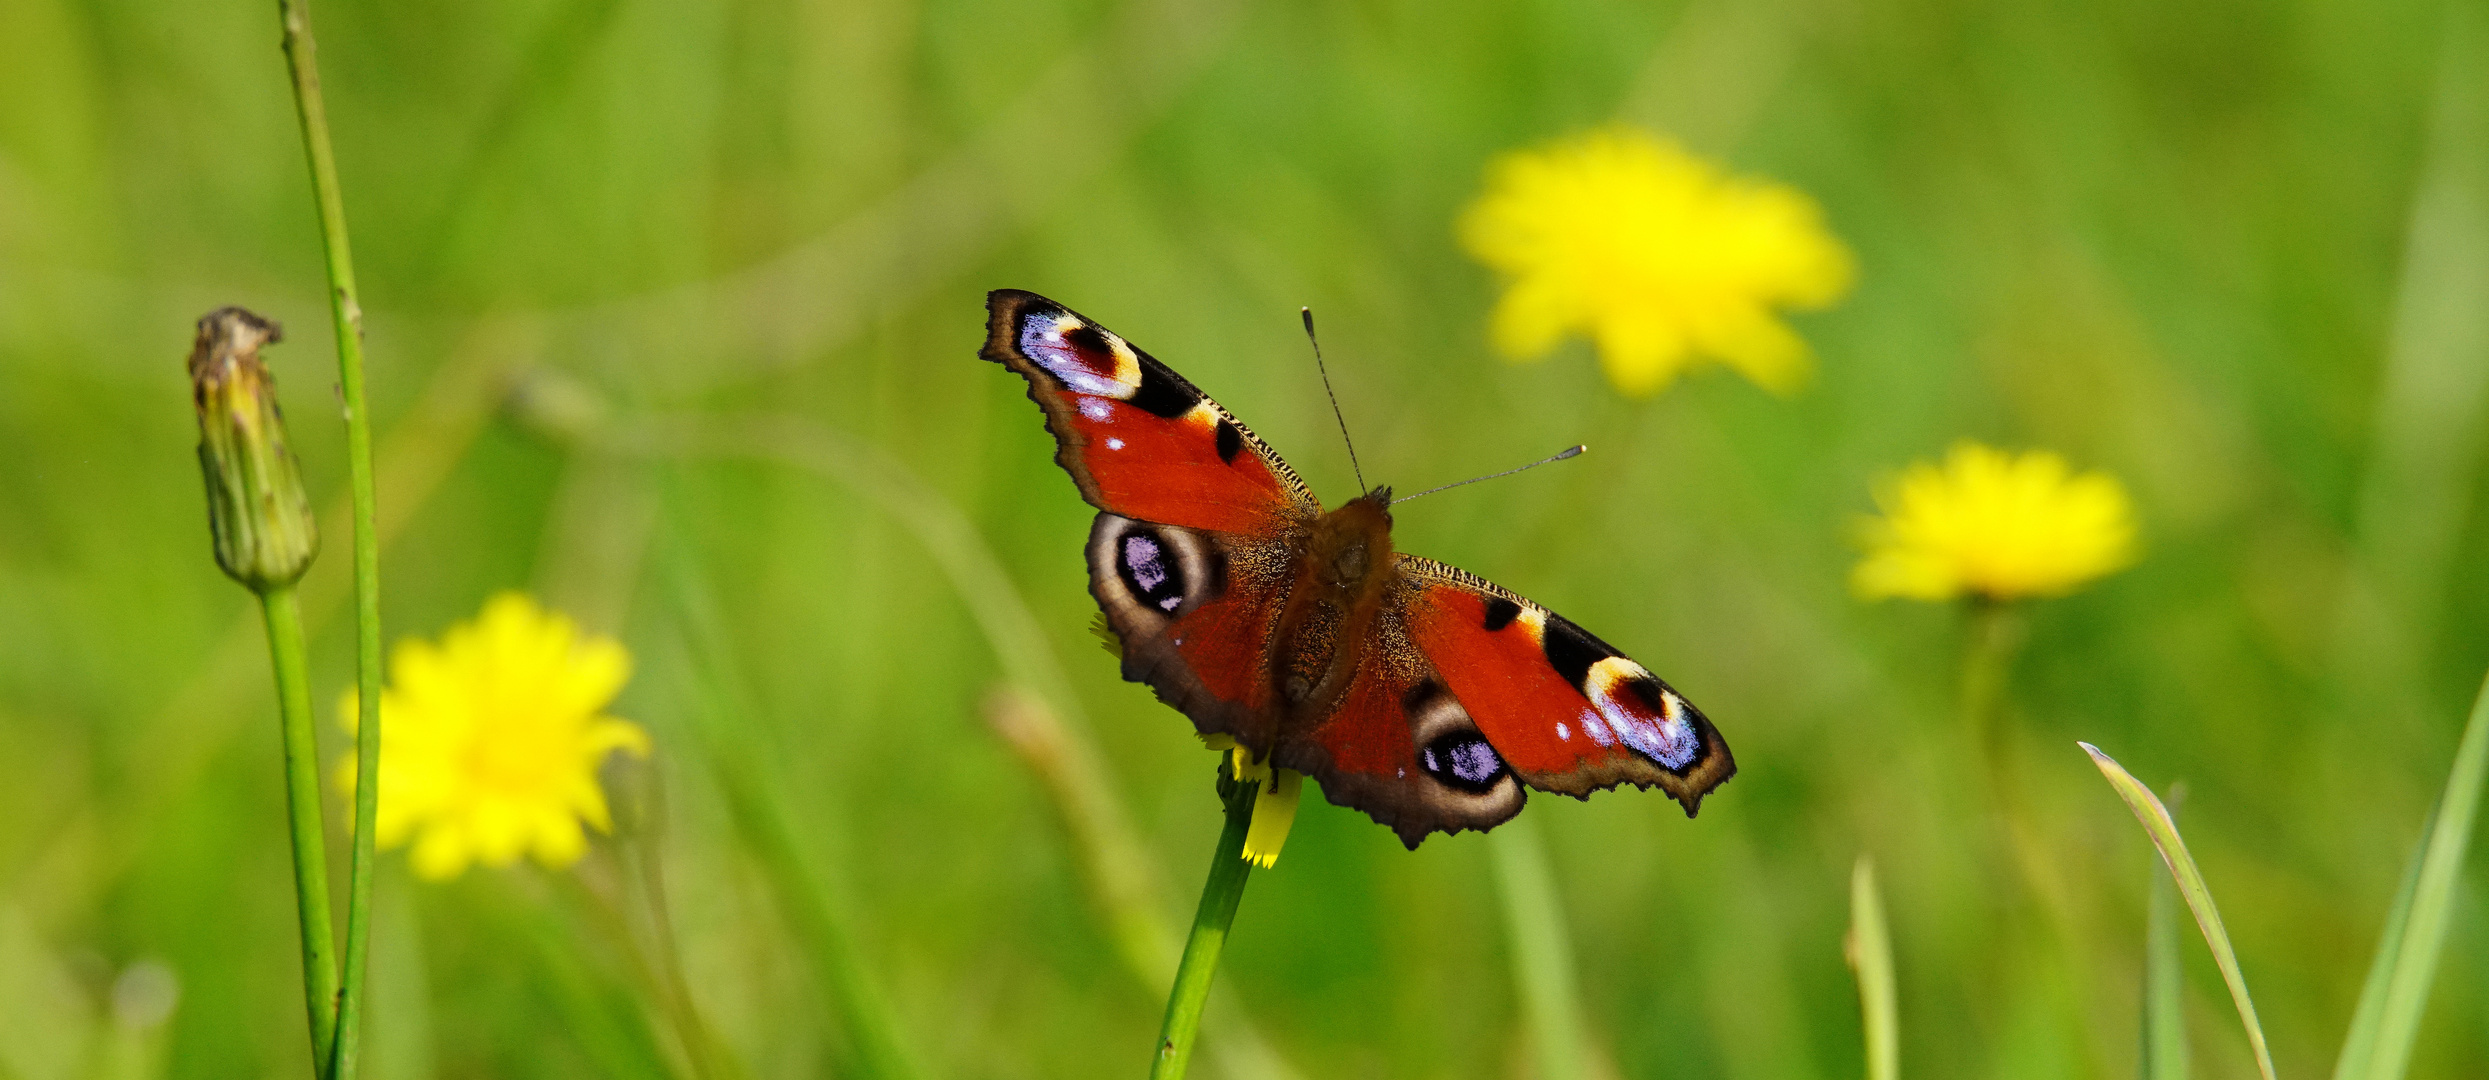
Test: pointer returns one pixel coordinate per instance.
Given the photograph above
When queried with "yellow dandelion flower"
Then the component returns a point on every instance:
(1996, 526)
(1662, 259)
(490, 740)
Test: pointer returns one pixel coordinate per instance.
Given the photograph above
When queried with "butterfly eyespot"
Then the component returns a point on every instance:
(1643, 714)
(1463, 761)
(1151, 571)
(1092, 346)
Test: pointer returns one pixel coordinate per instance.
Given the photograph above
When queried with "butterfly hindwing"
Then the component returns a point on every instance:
(1566, 712)
(1139, 440)
(1194, 611)
(1401, 747)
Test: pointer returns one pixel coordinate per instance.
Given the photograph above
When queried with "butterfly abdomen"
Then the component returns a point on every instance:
(1339, 586)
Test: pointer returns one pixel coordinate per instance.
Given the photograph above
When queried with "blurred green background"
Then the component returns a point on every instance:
(2235, 252)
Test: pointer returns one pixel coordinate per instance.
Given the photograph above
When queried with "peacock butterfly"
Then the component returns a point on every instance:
(1423, 695)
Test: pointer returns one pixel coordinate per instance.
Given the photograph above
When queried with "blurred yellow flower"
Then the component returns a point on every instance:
(491, 739)
(1662, 259)
(1995, 526)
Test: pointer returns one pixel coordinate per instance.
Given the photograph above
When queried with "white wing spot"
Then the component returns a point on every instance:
(1562, 732)
(1114, 444)
(1095, 408)
(1598, 731)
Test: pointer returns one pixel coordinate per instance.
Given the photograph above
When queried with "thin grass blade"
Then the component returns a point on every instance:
(2359, 1044)
(2173, 848)
(2422, 934)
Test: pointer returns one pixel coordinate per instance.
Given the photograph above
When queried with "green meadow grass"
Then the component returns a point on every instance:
(735, 255)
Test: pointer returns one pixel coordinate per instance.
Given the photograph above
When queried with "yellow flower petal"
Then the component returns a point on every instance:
(1994, 525)
(1274, 811)
(1659, 257)
(491, 739)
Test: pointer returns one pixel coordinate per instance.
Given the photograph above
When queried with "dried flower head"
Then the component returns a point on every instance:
(1996, 526)
(1662, 259)
(266, 534)
(490, 740)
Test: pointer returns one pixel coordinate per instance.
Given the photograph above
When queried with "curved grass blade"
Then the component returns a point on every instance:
(2164, 1012)
(2173, 848)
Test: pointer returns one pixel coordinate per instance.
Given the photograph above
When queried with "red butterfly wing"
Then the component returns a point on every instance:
(1402, 748)
(1195, 611)
(1563, 709)
(1137, 438)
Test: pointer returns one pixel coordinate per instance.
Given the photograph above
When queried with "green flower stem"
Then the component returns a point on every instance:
(302, 805)
(1219, 895)
(1869, 949)
(1994, 637)
(302, 61)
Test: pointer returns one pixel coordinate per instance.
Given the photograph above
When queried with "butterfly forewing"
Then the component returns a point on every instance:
(1137, 438)
(1565, 710)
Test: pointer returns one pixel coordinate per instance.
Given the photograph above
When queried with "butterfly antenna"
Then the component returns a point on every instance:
(1334, 396)
(1570, 451)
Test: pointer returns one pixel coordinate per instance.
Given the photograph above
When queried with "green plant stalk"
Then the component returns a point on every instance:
(1219, 896)
(2422, 939)
(2173, 848)
(302, 62)
(1870, 954)
(302, 806)
(1993, 638)
(1542, 957)
(643, 857)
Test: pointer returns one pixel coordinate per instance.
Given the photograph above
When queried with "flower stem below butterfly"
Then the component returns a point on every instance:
(1219, 896)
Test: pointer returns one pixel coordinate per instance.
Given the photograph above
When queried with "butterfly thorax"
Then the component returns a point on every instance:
(1339, 585)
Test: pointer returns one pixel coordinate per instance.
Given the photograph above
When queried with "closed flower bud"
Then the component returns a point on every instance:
(265, 532)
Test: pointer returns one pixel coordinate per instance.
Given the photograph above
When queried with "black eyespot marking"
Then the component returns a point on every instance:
(1230, 440)
(1091, 344)
(1462, 761)
(1500, 613)
(1572, 649)
(1650, 692)
(1419, 696)
(1149, 568)
(1161, 395)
